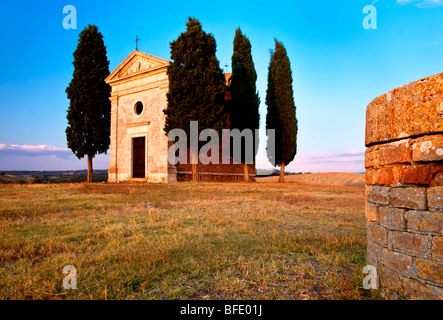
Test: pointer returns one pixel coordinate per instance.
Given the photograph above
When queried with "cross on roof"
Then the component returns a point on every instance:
(226, 66)
(136, 42)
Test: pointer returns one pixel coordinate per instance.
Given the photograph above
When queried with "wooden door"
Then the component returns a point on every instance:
(138, 157)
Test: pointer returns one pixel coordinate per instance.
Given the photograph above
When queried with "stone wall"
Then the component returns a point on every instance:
(404, 189)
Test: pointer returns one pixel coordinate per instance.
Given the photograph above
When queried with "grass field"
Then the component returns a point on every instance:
(183, 241)
(330, 178)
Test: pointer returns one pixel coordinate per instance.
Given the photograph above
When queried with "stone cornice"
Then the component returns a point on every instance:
(114, 98)
(162, 85)
(163, 64)
(135, 76)
(146, 123)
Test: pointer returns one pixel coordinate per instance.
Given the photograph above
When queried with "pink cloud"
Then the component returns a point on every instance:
(44, 157)
(349, 161)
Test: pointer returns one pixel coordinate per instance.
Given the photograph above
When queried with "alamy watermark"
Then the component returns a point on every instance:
(370, 21)
(371, 280)
(70, 281)
(210, 151)
(70, 21)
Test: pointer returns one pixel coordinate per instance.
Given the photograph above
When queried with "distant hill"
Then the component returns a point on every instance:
(51, 176)
(273, 172)
(263, 175)
(328, 178)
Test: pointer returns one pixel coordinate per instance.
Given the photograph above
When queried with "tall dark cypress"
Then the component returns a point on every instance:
(281, 114)
(89, 113)
(196, 84)
(243, 107)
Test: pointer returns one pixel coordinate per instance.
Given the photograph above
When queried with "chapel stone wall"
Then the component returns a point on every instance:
(404, 189)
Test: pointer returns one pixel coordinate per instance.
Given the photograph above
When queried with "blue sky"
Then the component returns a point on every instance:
(338, 66)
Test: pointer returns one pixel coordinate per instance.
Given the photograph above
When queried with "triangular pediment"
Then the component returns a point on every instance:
(137, 62)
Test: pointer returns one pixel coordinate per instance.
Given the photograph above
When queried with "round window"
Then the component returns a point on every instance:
(138, 108)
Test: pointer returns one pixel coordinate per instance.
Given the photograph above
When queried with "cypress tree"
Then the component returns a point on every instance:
(243, 107)
(196, 84)
(281, 109)
(89, 113)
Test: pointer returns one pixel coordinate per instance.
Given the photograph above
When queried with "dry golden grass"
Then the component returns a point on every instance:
(327, 178)
(183, 241)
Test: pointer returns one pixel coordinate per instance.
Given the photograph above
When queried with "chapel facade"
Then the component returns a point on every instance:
(139, 147)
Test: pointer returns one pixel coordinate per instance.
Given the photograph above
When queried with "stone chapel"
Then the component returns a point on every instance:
(139, 146)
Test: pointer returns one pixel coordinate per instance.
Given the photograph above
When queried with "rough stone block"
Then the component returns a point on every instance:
(371, 212)
(374, 254)
(402, 175)
(372, 157)
(414, 289)
(397, 261)
(390, 238)
(384, 176)
(437, 248)
(429, 148)
(411, 243)
(415, 174)
(407, 111)
(378, 233)
(392, 218)
(435, 198)
(425, 221)
(389, 153)
(437, 180)
(378, 194)
(412, 198)
(395, 152)
(428, 270)
(390, 280)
